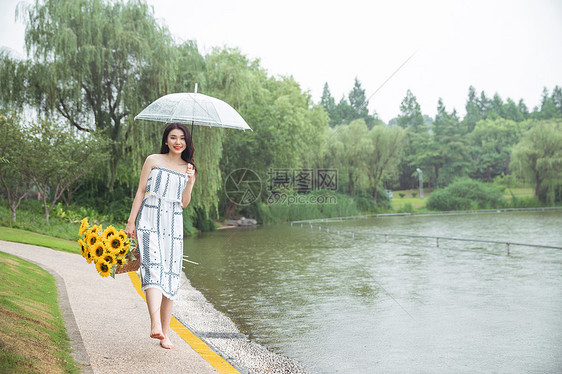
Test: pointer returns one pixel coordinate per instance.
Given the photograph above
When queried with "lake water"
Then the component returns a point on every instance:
(339, 304)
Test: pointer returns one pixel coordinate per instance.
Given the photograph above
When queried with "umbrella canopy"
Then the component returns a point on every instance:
(194, 109)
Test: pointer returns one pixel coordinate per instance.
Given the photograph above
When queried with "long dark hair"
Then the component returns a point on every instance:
(187, 154)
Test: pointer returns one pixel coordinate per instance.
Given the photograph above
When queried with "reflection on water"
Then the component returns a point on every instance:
(343, 305)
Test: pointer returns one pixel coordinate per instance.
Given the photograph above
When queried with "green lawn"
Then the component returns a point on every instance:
(28, 237)
(33, 337)
(518, 192)
(399, 203)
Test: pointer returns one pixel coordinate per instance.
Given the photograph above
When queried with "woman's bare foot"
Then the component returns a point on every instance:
(157, 335)
(166, 343)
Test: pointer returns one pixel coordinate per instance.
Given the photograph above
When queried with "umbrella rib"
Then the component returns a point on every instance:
(207, 112)
(170, 119)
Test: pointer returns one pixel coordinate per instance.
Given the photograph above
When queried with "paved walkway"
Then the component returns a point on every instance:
(107, 320)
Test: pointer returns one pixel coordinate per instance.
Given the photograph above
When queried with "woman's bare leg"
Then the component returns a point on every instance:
(166, 317)
(154, 301)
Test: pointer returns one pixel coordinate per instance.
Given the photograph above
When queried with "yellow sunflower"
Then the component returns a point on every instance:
(122, 235)
(95, 229)
(83, 226)
(97, 250)
(92, 238)
(83, 247)
(114, 245)
(109, 259)
(109, 233)
(103, 268)
(120, 260)
(89, 257)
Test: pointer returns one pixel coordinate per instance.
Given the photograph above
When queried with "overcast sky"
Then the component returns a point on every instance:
(511, 47)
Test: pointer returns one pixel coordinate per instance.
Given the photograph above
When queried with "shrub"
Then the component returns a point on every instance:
(402, 194)
(365, 203)
(525, 202)
(407, 208)
(503, 182)
(550, 193)
(465, 194)
(445, 200)
(414, 194)
(329, 204)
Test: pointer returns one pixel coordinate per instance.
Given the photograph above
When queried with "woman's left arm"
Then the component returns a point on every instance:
(186, 196)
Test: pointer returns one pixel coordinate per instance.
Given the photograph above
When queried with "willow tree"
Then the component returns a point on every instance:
(387, 147)
(287, 128)
(96, 64)
(538, 156)
(348, 147)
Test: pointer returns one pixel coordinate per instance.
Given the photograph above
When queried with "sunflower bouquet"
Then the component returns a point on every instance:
(108, 249)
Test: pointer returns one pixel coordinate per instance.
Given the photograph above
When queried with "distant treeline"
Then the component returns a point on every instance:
(67, 129)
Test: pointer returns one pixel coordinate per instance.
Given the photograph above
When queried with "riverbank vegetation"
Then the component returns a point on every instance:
(32, 333)
(69, 141)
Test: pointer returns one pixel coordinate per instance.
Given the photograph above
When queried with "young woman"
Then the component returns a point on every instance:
(165, 187)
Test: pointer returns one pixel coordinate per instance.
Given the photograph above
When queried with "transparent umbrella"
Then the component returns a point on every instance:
(195, 109)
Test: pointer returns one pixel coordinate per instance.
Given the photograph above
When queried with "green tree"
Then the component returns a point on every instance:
(58, 160)
(496, 107)
(410, 114)
(538, 156)
(448, 155)
(288, 129)
(348, 109)
(15, 183)
(358, 100)
(445, 131)
(386, 148)
(344, 112)
(492, 142)
(190, 69)
(523, 109)
(473, 114)
(329, 105)
(232, 77)
(548, 107)
(13, 85)
(348, 149)
(512, 111)
(484, 105)
(557, 99)
(96, 64)
(419, 139)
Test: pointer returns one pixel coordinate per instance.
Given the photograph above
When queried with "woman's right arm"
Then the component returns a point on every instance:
(139, 197)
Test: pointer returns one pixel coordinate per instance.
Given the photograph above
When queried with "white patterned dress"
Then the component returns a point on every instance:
(160, 231)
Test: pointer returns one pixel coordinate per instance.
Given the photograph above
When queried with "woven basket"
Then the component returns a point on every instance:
(132, 265)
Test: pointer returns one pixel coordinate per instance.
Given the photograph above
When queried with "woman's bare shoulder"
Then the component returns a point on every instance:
(154, 156)
(152, 160)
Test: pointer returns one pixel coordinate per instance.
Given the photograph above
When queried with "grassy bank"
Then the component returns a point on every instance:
(28, 237)
(31, 228)
(33, 338)
(409, 203)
